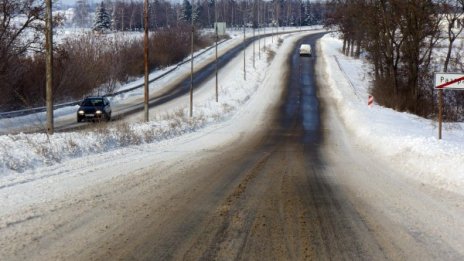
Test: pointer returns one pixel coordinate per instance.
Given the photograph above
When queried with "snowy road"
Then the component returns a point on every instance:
(280, 180)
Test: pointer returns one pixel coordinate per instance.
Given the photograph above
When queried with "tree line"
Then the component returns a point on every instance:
(128, 15)
(403, 40)
(98, 63)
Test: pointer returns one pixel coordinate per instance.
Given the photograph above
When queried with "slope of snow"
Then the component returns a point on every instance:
(408, 142)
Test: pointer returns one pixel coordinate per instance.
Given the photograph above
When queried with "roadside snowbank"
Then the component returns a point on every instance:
(406, 141)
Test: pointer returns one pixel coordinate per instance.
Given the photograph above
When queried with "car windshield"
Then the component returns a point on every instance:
(92, 102)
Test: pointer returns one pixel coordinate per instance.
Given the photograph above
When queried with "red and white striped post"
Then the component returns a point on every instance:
(370, 101)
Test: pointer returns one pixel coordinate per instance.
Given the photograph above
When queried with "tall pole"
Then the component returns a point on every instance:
(244, 71)
(272, 33)
(49, 65)
(253, 24)
(301, 5)
(264, 32)
(266, 19)
(191, 63)
(145, 59)
(259, 38)
(217, 39)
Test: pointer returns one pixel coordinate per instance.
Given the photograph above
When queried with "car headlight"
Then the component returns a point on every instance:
(98, 112)
(81, 112)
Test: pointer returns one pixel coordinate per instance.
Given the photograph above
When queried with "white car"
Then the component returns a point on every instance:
(305, 49)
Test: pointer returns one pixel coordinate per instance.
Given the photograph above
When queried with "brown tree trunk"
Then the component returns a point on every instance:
(344, 45)
(358, 49)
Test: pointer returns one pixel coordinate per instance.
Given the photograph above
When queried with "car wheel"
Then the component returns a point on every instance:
(79, 119)
(108, 117)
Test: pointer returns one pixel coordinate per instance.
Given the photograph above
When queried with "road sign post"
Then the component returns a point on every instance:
(446, 81)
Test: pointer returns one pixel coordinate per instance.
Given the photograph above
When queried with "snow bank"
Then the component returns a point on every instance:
(23, 155)
(406, 141)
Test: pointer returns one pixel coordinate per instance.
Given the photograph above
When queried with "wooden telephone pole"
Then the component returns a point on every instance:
(217, 40)
(49, 65)
(191, 61)
(145, 61)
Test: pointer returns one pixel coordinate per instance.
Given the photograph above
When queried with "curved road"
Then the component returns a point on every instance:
(177, 88)
(298, 189)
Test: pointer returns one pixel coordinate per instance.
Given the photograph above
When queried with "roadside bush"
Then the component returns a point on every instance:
(93, 64)
(270, 54)
(169, 48)
(427, 102)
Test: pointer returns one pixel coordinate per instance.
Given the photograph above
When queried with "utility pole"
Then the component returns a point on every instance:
(264, 32)
(254, 46)
(301, 5)
(272, 33)
(49, 65)
(145, 58)
(191, 62)
(253, 24)
(244, 60)
(244, 11)
(217, 39)
(259, 38)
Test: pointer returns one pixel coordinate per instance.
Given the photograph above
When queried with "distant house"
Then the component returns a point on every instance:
(457, 26)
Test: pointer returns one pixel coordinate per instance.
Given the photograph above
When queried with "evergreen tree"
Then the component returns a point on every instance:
(308, 17)
(211, 6)
(186, 11)
(196, 11)
(102, 20)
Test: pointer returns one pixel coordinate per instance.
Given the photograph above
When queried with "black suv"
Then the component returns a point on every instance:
(92, 108)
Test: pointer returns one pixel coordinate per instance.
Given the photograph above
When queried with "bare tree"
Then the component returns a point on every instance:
(419, 27)
(399, 43)
(453, 12)
(13, 41)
